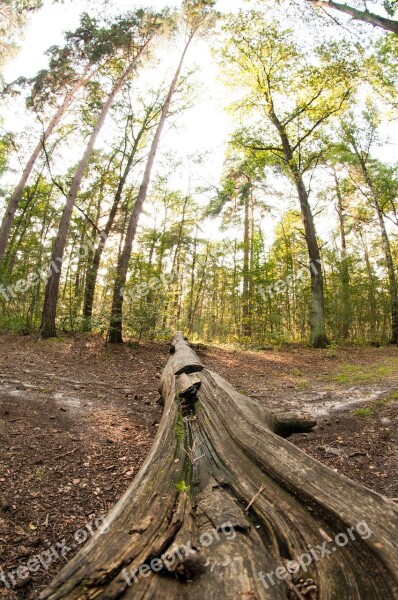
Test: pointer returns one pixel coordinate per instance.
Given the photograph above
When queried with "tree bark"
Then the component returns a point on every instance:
(246, 304)
(373, 315)
(247, 503)
(16, 196)
(392, 280)
(92, 273)
(48, 326)
(116, 322)
(318, 332)
(344, 270)
(360, 15)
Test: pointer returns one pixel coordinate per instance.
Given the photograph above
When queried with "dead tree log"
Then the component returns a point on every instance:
(261, 519)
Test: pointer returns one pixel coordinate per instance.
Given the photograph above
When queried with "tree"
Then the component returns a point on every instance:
(264, 59)
(137, 31)
(144, 122)
(70, 69)
(363, 15)
(346, 316)
(356, 148)
(220, 461)
(13, 16)
(237, 194)
(198, 16)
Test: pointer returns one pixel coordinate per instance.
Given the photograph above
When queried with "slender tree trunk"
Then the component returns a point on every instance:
(173, 306)
(192, 282)
(13, 203)
(196, 306)
(318, 333)
(344, 270)
(115, 327)
(246, 328)
(92, 274)
(48, 328)
(392, 279)
(371, 287)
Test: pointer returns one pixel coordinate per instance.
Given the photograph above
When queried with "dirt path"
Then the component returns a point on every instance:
(77, 421)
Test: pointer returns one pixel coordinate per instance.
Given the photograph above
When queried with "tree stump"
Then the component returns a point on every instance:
(224, 507)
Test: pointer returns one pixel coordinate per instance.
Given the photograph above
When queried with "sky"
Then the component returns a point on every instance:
(46, 27)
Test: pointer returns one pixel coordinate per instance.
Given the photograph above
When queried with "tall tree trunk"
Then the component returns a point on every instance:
(246, 325)
(392, 279)
(371, 287)
(344, 270)
(318, 333)
(48, 328)
(92, 273)
(173, 306)
(115, 326)
(16, 196)
(192, 282)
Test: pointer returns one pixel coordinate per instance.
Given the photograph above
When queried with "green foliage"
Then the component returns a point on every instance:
(250, 285)
(363, 412)
(181, 486)
(354, 374)
(368, 411)
(297, 373)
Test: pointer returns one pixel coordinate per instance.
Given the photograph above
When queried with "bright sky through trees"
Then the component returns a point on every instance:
(205, 127)
(219, 131)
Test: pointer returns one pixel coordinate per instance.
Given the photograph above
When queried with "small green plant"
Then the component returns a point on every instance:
(303, 385)
(332, 350)
(181, 486)
(39, 472)
(133, 344)
(297, 373)
(367, 411)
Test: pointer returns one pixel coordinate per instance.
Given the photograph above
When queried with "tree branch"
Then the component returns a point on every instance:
(359, 15)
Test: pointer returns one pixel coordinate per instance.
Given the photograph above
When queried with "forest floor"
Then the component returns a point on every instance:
(77, 420)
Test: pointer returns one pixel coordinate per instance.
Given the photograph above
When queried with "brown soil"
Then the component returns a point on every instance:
(77, 420)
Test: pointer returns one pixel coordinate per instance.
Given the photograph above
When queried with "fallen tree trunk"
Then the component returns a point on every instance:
(223, 507)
